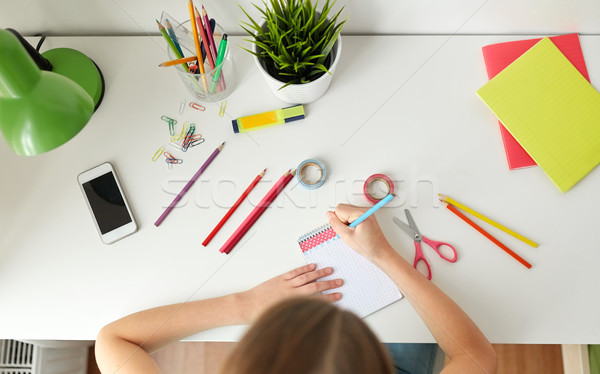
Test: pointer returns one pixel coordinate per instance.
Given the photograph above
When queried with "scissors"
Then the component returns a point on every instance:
(412, 230)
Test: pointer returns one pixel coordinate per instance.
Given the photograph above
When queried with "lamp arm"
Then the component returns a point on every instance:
(37, 57)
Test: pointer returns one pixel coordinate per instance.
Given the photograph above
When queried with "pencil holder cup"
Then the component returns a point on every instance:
(216, 83)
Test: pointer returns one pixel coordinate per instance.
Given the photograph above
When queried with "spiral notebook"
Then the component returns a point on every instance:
(366, 288)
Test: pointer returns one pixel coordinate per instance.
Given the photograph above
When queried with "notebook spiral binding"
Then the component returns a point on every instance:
(316, 237)
(311, 234)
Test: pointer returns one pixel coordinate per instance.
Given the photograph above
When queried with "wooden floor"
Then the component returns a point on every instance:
(205, 358)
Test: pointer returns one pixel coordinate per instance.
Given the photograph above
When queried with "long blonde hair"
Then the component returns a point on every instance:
(308, 336)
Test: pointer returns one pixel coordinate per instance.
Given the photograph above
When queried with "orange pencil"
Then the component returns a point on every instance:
(487, 235)
(197, 42)
(178, 61)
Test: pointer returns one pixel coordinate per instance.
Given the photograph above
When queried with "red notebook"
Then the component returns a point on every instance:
(499, 56)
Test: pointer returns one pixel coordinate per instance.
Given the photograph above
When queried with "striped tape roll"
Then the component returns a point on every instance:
(311, 184)
(377, 178)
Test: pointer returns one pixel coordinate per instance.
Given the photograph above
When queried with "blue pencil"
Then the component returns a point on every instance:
(173, 36)
(373, 209)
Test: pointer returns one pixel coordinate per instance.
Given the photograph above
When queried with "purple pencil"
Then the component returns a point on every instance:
(188, 185)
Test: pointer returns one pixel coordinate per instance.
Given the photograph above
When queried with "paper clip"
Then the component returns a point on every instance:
(158, 153)
(183, 129)
(197, 106)
(196, 142)
(181, 106)
(172, 160)
(186, 140)
(177, 146)
(171, 123)
(168, 119)
(177, 138)
(222, 108)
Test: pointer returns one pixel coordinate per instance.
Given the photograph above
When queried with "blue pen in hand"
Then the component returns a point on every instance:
(373, 209)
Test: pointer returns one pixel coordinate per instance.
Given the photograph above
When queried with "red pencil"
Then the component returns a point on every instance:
(233, 208)
(256, 215)
(256, 212)
(204, 38)
(487, 235)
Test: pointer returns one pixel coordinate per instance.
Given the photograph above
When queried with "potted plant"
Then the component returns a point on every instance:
(296, 47)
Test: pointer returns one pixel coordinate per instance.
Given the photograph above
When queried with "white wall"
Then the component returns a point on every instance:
(118, 17)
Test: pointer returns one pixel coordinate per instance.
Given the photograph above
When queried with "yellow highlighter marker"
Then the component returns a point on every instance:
(268, 119)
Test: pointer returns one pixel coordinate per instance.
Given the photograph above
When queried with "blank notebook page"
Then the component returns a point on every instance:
(366, 288)
(551, 110)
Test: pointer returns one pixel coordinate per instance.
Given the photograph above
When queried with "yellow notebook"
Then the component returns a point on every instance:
(551, 110)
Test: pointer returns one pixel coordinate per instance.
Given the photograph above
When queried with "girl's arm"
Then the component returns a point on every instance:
(467, 349)
(126, 344)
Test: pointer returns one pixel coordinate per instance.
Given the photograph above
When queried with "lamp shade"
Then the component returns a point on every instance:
(39, 110)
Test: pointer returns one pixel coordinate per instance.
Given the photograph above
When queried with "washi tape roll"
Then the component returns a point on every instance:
(377, 178)
(306, 182)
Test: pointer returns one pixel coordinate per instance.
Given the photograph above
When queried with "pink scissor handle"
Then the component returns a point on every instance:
(437, 246)
(420, 257)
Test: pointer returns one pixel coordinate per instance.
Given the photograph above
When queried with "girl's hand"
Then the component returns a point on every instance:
(302, 281)
(366, 238)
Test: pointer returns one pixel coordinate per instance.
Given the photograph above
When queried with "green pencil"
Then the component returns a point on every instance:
(171, 44)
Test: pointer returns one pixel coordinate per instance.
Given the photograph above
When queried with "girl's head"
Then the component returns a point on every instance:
(308, 336)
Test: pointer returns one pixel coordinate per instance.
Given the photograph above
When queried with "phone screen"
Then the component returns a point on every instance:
(106, 202)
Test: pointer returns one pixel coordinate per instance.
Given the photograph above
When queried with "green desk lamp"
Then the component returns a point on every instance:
(45, 99)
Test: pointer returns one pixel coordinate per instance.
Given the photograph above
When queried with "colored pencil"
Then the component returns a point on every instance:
(486, 234)
(373, 209)
(256, 212)
(173, 36)
(209, 34)
(204, 38)
(213, 46)
(233, 208)
(170, 43)
(488, 220)
(188, 185)
(263, 207)
(197, 42)
(178, 61)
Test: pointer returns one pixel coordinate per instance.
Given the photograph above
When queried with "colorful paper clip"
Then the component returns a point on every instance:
(183, 129)
(197, 106)
(158, 153)
(196, 142)
(181, 107)
(176, 145)
(222, 108)
(171, 123)
(168, 119)
(186, 141)
(170, 159)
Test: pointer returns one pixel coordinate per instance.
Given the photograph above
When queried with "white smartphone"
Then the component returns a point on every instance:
(106, 200)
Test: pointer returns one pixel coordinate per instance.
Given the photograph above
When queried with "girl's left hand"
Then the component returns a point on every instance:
(302, 281)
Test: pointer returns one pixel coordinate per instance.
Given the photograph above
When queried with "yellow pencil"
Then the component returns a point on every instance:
(197, 42)
(485, 219)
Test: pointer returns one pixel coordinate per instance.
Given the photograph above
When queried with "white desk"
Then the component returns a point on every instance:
(410, 112)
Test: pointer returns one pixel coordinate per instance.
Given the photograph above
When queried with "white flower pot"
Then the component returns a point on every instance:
(301, 93)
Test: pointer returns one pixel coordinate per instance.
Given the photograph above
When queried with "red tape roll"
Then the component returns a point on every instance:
(377, 178)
